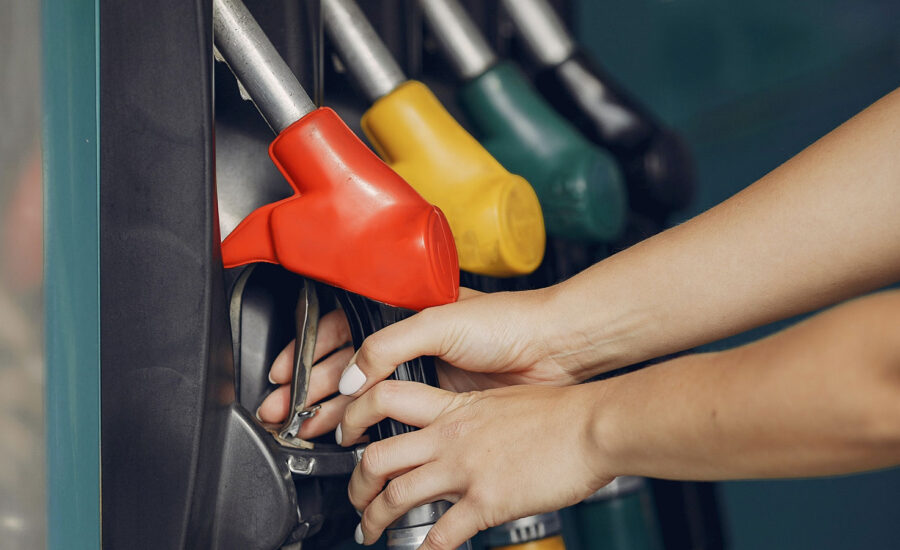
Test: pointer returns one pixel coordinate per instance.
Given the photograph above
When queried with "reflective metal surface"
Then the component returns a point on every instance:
(413, 537)
(260, 71)
(460, 39)
(542, 30)
(620, 486)
(307, 319)
(361, 49)
(425, 514)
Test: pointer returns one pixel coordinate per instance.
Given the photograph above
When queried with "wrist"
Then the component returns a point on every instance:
(594, 325)
(601, 442)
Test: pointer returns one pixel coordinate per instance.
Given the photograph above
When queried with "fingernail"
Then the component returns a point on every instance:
(351, 380)
(257, 414)
(270, 379)
(357, 535)
(337, 434)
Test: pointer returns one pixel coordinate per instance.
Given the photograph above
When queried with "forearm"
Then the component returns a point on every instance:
(820, 398)
(821, 228)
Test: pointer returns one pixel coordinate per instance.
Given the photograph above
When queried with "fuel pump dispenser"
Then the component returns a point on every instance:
(332, 174)
(656, 163)
(352, 223)
(495, 216)
(580, 187)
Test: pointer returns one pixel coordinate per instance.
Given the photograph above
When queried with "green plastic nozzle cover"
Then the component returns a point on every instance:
(580, 187)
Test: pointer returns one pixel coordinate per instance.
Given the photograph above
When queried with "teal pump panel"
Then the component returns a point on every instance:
(71, 272)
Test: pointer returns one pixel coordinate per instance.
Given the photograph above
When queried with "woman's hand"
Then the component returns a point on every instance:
(498, 455)
(483, 341)
(332, 343)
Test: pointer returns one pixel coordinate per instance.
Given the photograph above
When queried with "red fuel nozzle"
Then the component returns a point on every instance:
(352, 221)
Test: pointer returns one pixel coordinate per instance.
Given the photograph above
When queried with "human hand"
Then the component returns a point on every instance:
(332, 341)
(481, 341)
(486, 341)
(498, 455)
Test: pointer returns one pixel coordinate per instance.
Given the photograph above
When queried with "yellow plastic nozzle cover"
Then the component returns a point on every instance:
(495, 216)
(550, 543)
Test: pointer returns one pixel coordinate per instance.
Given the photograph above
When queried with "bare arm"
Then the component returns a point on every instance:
(820, 398)
(823, 227)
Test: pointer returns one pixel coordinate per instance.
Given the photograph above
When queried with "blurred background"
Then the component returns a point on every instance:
(21, 341)
(749, 84)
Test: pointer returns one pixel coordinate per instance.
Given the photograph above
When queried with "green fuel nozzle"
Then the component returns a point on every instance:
(580, 186)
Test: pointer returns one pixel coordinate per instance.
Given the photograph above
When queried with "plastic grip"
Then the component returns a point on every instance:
(623, 523)
(549, 543)
(658, 166)
(580, 187)
(495, 216)
(352, 222)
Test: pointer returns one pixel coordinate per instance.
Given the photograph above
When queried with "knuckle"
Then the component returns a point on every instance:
(373, 349)
(370, 463)
(438, 539)
(395, 494)
(355, 502)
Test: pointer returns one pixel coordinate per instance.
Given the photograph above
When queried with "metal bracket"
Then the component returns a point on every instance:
(307, 317)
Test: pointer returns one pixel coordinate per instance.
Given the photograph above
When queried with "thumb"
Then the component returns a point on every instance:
(380, 353)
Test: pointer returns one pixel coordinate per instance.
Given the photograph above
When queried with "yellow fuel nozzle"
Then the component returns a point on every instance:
(495, 215)
(549, 543)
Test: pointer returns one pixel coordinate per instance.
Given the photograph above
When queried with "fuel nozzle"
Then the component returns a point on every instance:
(656, 162)
(619, 516)
(352, 221)
(580, 186)
(540, 532)
(495, 215)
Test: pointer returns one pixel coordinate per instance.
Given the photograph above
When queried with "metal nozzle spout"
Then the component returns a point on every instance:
(361, 49)
(260, 71)
(542, 30)
(459, 37)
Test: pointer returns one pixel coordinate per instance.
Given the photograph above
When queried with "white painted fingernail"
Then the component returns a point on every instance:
(351, 380)
(337, 434)
(270, 379)
(357, 535)
(257, 414)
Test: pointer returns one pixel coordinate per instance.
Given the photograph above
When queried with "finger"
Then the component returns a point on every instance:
(333, 332)
(458, 524)
(385, 460)
(326, 418)
(428, 483)
(380, 353)
(408, 402)
(274, 407)
(282, 368)
(466, 293)
(323, 380)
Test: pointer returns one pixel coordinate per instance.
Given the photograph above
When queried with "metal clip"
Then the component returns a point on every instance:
(307, 317)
